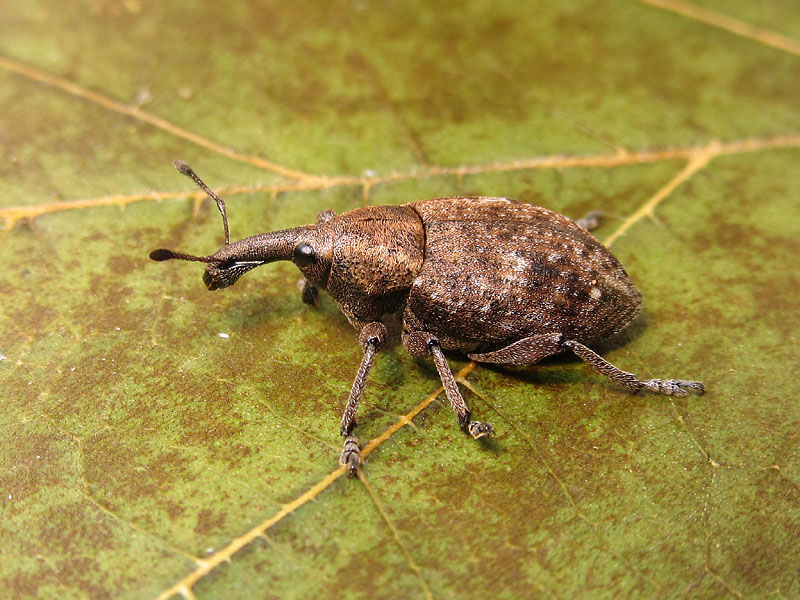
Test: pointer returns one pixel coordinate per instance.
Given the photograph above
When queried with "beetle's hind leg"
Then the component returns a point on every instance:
(669, 387)
(532, 349)
(372, 337)
(419, 343)
(526, 351)
(591, 221)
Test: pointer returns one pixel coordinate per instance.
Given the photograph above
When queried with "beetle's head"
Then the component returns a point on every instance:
(307, 247)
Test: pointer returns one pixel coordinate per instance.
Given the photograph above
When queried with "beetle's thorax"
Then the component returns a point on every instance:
(377, 253)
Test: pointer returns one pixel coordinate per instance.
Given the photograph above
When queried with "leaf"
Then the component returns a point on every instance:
(158, 440)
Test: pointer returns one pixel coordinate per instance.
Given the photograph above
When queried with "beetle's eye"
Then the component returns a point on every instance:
(304, 255)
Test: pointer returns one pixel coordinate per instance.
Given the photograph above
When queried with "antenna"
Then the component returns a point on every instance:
(164, 254)
(187, 170)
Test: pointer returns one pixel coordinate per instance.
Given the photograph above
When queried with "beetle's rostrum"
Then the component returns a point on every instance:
(502, 281)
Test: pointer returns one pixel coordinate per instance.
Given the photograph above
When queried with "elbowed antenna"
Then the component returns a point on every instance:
(163, 253)
(187, 170)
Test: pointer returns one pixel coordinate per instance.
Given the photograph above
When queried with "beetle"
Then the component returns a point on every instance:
(502, 281)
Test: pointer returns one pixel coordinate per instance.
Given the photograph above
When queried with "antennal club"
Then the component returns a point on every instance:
(187, 170)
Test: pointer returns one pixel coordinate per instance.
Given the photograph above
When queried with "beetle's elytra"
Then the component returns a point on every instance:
(502, 281)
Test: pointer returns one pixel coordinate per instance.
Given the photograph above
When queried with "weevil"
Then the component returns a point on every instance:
(502, 281)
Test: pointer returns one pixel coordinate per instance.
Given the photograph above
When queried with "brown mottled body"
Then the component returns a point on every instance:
(497, 271)
(503, 281)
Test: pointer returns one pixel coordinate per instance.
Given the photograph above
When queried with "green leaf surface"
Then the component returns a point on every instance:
(157, 440)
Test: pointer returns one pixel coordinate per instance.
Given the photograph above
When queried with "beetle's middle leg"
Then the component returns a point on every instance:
(372, 337)
(419, 343)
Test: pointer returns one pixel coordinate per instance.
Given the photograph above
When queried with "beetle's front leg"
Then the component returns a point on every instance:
(308, 292)
(419, 343)
(371, 338)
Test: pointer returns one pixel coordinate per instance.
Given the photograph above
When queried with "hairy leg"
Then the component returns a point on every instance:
(371, 338)
(669, 387)
(420, 343)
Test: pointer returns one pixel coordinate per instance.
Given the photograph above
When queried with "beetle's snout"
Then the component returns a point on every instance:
(225, 274)
(210, 282)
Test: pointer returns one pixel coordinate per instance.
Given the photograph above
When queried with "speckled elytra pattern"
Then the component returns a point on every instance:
(498, 271)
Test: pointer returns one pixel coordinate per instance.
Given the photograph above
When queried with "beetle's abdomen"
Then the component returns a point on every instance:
(497, 271)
